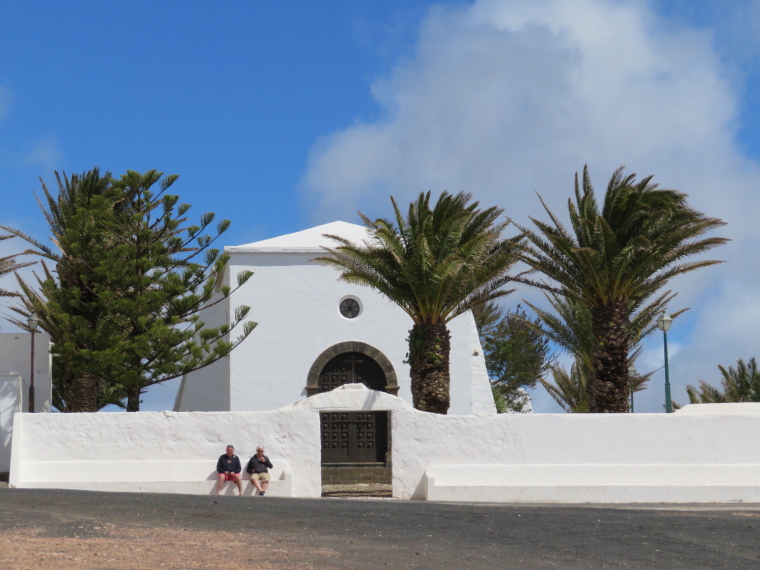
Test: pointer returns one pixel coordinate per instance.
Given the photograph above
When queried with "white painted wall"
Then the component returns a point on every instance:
(10, 403)
(102, 451)
(547, 441)
(296, 305)
(15, 362)
(683, 457)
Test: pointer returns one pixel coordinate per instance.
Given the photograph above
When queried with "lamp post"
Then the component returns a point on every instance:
(663, 323)
(631, 376)
(32, 321)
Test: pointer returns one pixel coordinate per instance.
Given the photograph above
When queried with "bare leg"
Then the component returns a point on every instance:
(264, 486)
(257, 484)
(219, 482)
(239, 484)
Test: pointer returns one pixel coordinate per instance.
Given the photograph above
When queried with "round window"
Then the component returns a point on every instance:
(350, 308)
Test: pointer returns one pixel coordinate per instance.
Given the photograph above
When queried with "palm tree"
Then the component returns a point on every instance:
(740, 384)
(75, 227)
(9, 264)
(569, 389)
(435, 264)
(570, 327)
(612, 261)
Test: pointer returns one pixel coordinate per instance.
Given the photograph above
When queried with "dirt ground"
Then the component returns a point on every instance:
(120, 547)
(87, 530)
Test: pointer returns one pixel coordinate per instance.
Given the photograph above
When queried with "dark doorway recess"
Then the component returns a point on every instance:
(354, 437)
(352, 368)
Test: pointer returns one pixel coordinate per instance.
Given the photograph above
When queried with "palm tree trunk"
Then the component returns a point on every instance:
(608, 387)
(85, 390)
(429, 348)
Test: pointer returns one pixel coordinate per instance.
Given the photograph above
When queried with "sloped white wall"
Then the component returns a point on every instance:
(10, 403)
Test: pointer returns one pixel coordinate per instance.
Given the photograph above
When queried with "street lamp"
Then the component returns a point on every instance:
(32, 321)
(631, 377)
(663, 323)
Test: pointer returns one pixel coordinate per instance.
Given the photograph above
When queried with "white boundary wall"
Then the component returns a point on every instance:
(169, 452)
(15, 360)
(683, 457)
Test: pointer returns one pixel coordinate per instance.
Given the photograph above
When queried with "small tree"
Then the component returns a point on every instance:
(740, 384)
(517, 353)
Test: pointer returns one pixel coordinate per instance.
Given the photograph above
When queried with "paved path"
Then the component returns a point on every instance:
(351, 533)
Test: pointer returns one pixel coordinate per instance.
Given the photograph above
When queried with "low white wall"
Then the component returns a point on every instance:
(695, 455)
(118, 444)
(552, 442)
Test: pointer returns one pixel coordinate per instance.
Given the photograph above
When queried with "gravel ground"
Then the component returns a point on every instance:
(77, 529)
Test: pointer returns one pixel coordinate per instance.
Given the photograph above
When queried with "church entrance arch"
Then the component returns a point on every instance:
(355, 444)
(351, 362)
(352, 368)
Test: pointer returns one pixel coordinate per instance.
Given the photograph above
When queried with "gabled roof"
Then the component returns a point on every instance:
(306, 241)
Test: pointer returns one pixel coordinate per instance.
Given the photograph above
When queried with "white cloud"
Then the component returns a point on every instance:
(46, 154)
(508, 98)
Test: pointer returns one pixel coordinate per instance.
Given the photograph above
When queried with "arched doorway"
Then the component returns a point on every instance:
(355, 443)
(350, 362)
(351, 368)
(353, 437)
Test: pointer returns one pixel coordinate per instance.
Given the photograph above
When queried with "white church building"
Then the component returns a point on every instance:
(316, 333)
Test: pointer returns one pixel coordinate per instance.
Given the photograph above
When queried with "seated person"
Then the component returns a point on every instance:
(228, 469)
(259, 466)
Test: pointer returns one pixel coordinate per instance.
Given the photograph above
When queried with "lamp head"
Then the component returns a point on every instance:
(32, 321)
(664, 322)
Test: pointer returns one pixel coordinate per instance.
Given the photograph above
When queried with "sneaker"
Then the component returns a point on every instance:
(261, 494)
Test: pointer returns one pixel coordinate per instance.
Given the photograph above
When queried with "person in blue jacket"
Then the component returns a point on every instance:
(228, 469)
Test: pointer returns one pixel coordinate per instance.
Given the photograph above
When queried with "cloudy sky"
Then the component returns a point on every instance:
(282, 115)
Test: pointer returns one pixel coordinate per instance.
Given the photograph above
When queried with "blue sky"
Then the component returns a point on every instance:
(283, 115)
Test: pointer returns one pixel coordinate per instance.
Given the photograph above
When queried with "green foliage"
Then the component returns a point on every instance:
(435, 263)
(517, 352)
(9, 264)
(123, 307)
(612, 261)
(569, 326)
(568, 389)
(740, 384)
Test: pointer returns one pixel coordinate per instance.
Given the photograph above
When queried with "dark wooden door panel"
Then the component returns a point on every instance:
(354, 437)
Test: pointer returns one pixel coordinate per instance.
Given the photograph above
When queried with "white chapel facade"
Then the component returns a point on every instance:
(316, 332)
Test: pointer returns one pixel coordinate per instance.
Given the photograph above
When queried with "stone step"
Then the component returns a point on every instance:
(356, 474)
(358, 490)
